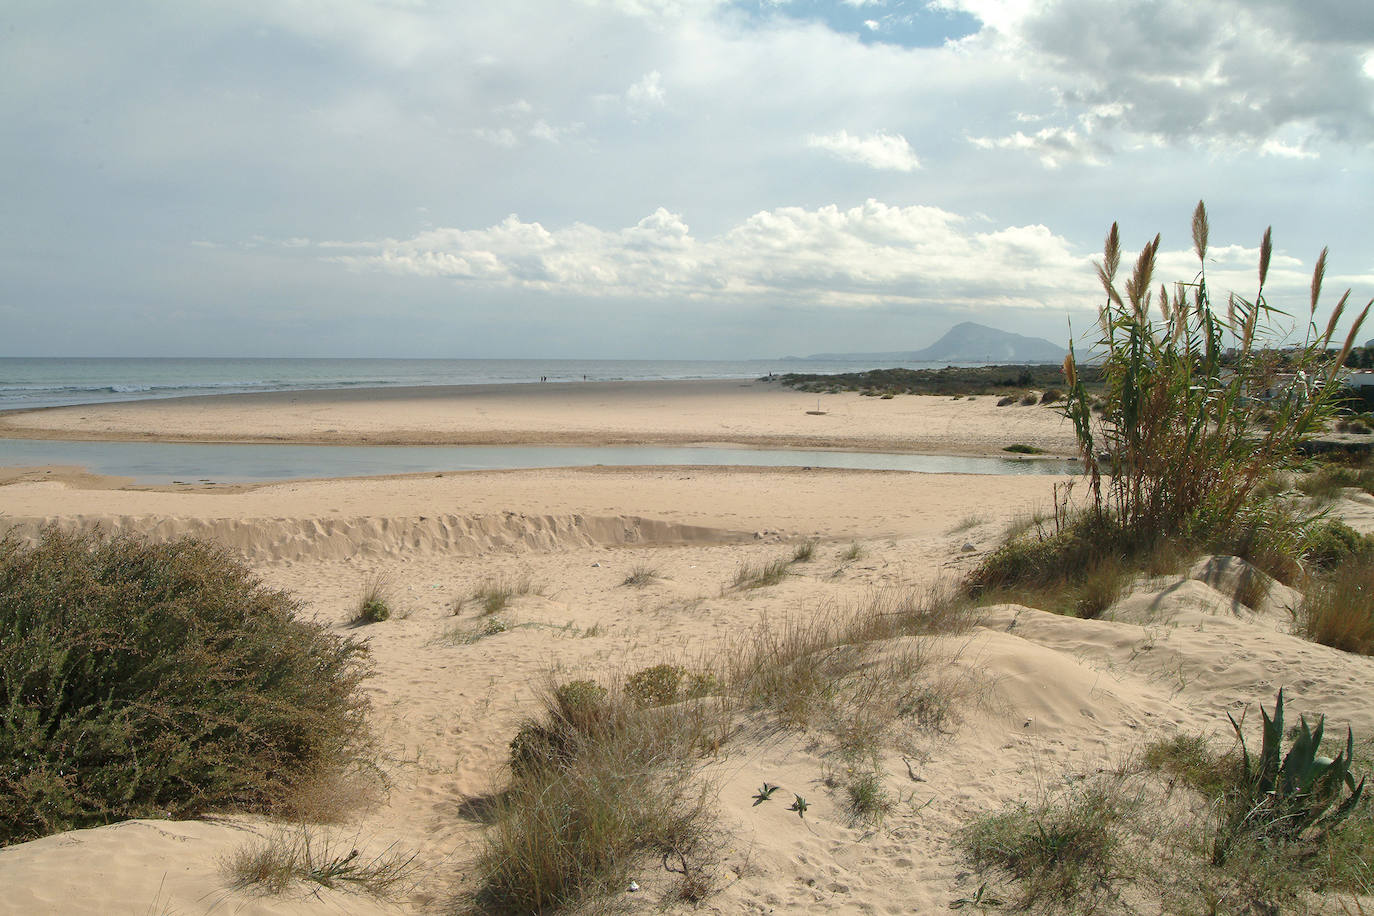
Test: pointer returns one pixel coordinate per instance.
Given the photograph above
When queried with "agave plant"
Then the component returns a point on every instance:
(1282, 797)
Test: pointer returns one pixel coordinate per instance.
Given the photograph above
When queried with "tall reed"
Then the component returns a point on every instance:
(1180, 442)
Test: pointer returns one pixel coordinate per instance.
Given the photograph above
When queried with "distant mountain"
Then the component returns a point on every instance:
(969, 343)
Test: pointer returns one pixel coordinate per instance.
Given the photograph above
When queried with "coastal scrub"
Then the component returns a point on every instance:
(160, 680)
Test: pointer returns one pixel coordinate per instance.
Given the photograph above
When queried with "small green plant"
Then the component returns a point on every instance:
(764, 794)
(804, 551)
(375, 604)
(1060, 850)
(868, 797)
(1190, 760)
(641, 576)
(798, 805)
(1284, 796)
(982, 899)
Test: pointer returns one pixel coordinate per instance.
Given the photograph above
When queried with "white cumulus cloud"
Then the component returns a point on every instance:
(864, 255)
(879, 150)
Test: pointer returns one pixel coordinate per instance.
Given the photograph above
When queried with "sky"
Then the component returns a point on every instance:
(697, 179)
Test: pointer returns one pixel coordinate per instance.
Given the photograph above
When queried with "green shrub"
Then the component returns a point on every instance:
(1052, 396)
(160, 680)
(1331, 542)
(656, 686)
(1020, 448)
(577, 712)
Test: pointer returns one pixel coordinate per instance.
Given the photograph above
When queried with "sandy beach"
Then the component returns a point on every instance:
(1052, 700)
(737, 412)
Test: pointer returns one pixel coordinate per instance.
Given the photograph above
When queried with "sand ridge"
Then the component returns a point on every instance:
(760, 414)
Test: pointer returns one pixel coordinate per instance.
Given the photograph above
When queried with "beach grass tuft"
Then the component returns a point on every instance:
(1338, 611)
(641, 575)
(374, 605)
(495, 595)
(750, 576)
(276, 864)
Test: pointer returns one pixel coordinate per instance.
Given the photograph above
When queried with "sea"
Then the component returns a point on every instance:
(30, 382)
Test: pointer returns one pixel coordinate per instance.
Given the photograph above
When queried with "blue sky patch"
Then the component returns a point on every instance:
(908, 23)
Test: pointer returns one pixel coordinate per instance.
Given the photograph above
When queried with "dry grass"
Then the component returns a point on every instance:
(599, 783)
(1339, 610)
(642, 575)
(276, 864)
(495, 595)
(804, 551)
(749, 576)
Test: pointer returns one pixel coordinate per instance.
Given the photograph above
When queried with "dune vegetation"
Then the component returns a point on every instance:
(162, 680)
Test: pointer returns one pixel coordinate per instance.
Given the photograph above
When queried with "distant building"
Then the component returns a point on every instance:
(1359, 379)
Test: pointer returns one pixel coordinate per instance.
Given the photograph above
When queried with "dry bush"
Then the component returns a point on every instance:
(607, 776)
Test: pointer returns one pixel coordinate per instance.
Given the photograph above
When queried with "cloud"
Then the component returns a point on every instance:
(1229, 74)
(878, 151)
(865, 255)
(647, 93)
(1276, 147)
(503, 137)
(1053, 146)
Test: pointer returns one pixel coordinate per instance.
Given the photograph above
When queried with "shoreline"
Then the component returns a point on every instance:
(734, 412)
